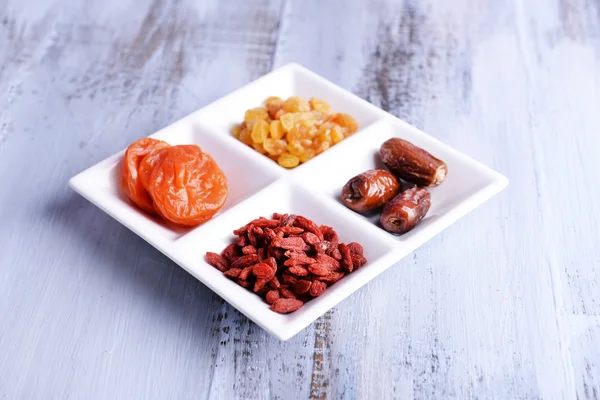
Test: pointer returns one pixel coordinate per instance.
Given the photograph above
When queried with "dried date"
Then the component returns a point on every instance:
(412, 163)
(405, 210)
(370, 190)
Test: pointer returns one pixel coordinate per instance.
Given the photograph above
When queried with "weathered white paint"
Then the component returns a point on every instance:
(505, 304)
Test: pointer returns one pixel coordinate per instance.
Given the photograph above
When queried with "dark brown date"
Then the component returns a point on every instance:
(412, 163)
(404, 211)
(370, 190)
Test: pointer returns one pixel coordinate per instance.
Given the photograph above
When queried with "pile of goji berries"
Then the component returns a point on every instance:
(287, 260)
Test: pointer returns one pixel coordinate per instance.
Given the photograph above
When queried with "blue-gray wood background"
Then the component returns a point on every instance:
(504, 304)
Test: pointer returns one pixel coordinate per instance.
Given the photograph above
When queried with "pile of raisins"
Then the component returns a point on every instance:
(287, 260)
(293, 131)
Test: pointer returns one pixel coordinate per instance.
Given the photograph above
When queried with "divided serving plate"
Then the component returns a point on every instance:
(259, 187)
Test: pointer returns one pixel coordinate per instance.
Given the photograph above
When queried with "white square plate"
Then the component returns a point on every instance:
(259, 187)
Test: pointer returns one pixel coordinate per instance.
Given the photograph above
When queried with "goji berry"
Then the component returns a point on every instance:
(284, 306)
(272, 296)
(217, 261)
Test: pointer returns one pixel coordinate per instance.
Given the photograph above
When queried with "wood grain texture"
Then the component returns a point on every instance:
(504, 304)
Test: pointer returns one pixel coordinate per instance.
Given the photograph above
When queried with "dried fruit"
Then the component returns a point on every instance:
(405, 210)
(217, 261)
(345, 121)
(131, 181)
(310, 238)
(302, 286)
(260, 131)
(298, 271)
(284, 306)
(244, 261)
(249, 249)
(370, 190)
(288, 294)
(273, 105)
(256, 114)
(295, 104)
(245, 273)
(412, 163)
(309, 226)
(290, 243)
(355, 248)
(274, 147)
(151, 160)
(288, 160)
(272, 296)
(233, 272)
(231, 252)
(187, 187)
(320, 105)
(317, 288)
(263, 271)
(276, 130)
(319, 269)
(260, 284)
(288, 257)
(293, 131)
(346, 257)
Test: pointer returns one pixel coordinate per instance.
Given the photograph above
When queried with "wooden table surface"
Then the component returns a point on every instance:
(504, 304)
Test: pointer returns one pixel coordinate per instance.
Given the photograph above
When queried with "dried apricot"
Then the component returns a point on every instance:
(130, 177)
(149, 162)
(187, 187)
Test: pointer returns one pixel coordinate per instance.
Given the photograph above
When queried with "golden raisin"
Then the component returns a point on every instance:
(296, 104)
(322, 146)
(324, 133)
(259, 113)
(274, 147)
(287, 160)
(307, 155)
(320, 105)
(345, 121)
(236, 130)
(297, 132)
(259, 147)
(260, 131)
(306, 143)
(281, 112)
(276, 130)
(295, 148)
(245, 136)
(337, 134)
(273, 105)
(294, 130)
